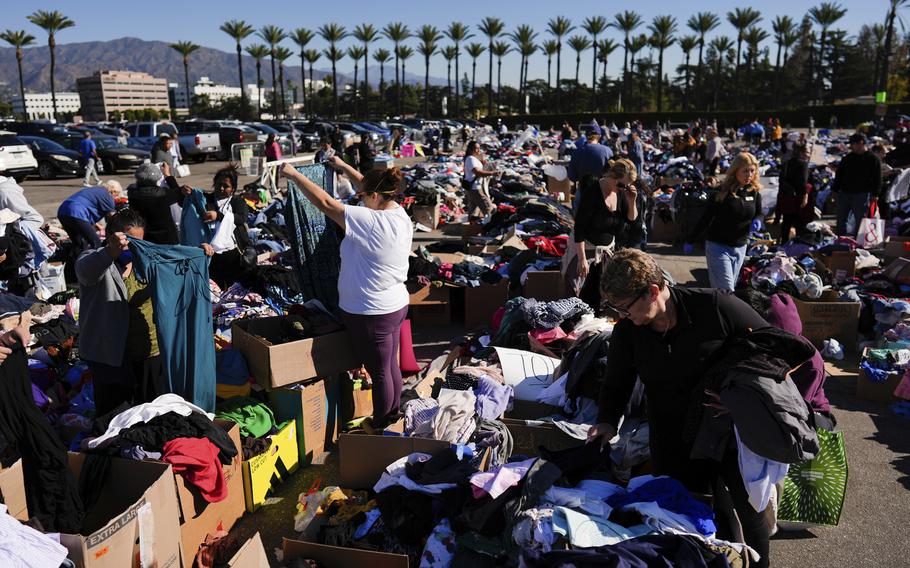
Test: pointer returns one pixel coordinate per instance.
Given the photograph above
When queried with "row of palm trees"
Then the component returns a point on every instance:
(660, 35)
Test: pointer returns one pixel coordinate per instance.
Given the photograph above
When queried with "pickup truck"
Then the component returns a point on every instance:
(195, 146)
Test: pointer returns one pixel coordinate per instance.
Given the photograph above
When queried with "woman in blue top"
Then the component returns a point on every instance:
(79, 215)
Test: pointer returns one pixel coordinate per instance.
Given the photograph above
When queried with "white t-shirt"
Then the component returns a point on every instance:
(374, 260)
(471, 163)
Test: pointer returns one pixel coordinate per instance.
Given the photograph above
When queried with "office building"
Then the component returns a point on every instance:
(107, 92)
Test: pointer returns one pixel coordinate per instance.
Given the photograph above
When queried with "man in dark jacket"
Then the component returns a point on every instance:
(858, 179)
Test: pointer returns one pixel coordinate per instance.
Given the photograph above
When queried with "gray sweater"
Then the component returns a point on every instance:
(103, 308)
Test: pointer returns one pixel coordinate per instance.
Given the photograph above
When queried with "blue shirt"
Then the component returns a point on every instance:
(89, 205)
(87, 148)
(590, 159)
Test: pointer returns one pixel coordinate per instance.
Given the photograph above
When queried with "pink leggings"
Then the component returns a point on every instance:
(376, 339)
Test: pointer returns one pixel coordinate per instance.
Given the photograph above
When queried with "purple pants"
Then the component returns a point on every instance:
(376, 340)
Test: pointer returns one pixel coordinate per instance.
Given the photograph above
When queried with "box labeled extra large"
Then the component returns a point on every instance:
(276, 364)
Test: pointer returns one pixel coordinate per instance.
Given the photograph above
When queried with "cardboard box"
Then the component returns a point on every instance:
(138, 516)
(481, 302)
(841, 263)
(898, 271)
(427, 215)
(430, 305)
(336, 557)
(363, 457)
(470, 230)
(198, 517)
(276, 365)
(529, 435)
(314, 409)
(545, 286)
(555, 186)
(12, 491)
(265, 471)
(897, 247)
(353, 402)
(251, 555)
(826, 320)
(883, 392)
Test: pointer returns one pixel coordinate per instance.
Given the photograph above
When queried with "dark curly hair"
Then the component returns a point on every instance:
(227, 173)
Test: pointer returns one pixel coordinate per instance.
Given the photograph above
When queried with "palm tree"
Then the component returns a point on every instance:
(239, 31)
(429, 37)
(741, 19)
(366, 34)
(878, 36)
(475, 50)
(626, 22)
(559, 27)
(396, 33)
(754, 37)
(783, 27)
(702, 24)
(893, 7)
(302, 37)
(332, 34)
(595, 26)
(549, 47)
(789, 40)
(687, 44)
(185, 48)
(524, 37)
(51, 22)
(448, 53)
(662, 30)
(722, 45)
(258, 52)
(404, 53)
(606, 47)
(273, 35)
(500, 50)
(357, 53)
(825, 15)
(492, 28)
(637, 44)
(527, 50)
(579, 43)
(19, 39)
(312, 56)
(282, 54)
(457, 33)
(381, 56)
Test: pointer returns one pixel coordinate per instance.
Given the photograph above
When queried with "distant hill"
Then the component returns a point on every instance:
(156, 58)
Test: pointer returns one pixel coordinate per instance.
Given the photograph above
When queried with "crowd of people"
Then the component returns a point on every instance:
(707, 359)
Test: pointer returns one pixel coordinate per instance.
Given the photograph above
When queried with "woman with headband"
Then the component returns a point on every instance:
(374, 266)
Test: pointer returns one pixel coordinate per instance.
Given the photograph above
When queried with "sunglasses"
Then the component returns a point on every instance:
(624, 311)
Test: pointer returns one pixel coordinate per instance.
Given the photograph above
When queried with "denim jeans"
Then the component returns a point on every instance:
(847, 203)
(724, 263)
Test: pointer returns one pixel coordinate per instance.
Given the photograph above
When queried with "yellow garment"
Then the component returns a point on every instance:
(230, 391)
(777, 133)
(141, 335)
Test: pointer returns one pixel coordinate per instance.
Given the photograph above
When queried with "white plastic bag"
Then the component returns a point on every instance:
(871, 229)
(183, 170)
(49, 281)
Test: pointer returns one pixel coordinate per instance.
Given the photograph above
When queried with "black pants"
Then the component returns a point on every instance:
(791, 221)
(134, 382)
(226, 268)
(83, 237)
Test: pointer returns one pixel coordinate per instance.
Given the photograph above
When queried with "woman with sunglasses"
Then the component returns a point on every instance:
(663, 338)
(374, 266)
(607, 215)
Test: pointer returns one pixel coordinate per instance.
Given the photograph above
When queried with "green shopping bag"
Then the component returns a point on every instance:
(814, 490)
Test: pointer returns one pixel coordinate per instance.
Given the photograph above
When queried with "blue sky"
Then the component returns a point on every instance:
(198, 21)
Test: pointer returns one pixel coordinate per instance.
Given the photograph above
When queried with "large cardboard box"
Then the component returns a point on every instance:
(336, 557)
(528, 436)
(353, 402)
(276, 365)
(363, 457)
(826, 320)
(867, 389)
(841, 263)
(427, 215)
(265, 471)
(430, 305)
(545, 286)
(314, 408)
(897, 247)
(251, 555)
(137, 517)
(555, 186)
(12, 491)
(481, 302)
(198, 517)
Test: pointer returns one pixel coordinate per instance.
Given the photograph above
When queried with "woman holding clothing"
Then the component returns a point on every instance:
(227, 215)
(374, 266)
(475, 191)
(793, 195)
(731, 216)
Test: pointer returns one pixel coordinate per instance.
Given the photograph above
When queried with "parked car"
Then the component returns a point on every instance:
(114, 155)
(199, 139)
(306, 141)
(144, 135)
(235, 133)
(372, 126)
(264, 131)
(53, 159)
(325, 129)
(195, 146)
(16, 159)
(362, 131)
(32, 128)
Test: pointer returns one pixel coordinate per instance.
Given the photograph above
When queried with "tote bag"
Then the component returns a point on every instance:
(871, 229)
(814, 490)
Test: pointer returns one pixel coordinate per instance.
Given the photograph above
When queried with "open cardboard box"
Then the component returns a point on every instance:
(481, 302)
(883, 392)
(251, 555)
(275, 365)
(12, 491)
(426, 215)
(529, 433)
(138, 516)
(261, 473)
(430, 305)
(314, 409)
(826, 320)
(337, 557)
(897, 247)
(544, 285)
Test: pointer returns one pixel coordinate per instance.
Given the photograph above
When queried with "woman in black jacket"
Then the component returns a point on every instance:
(153, 202)
(793, 195)
(229, 242)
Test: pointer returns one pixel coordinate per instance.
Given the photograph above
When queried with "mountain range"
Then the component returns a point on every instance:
(156, 58)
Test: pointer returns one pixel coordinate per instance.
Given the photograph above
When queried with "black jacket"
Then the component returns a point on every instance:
(793, 177)
(596, 224)
(859, 173)
(154, 204)
(729, 221)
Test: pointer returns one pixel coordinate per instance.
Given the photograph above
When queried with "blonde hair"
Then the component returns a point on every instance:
(113, 187)
(620, 168)
(730, 185)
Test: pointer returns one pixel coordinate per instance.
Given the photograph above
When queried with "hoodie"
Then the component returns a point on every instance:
(810, 376)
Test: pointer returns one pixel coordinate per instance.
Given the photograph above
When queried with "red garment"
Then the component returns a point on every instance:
(196, 459)
(555, 246)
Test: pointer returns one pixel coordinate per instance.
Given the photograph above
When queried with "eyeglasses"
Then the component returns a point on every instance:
(624, 311)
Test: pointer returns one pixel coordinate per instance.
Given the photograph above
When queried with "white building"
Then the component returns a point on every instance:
(39, 105)
(215, 93)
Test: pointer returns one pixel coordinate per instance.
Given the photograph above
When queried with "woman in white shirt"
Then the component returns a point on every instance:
(374, 266)
(476, 196)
